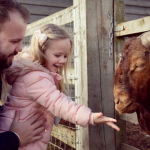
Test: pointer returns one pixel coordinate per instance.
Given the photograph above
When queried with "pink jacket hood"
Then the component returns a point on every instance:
(23, 63)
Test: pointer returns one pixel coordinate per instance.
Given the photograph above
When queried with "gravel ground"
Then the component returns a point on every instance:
(136, 137)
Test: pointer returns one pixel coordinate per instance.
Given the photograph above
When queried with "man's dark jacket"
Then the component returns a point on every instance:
(8, 140)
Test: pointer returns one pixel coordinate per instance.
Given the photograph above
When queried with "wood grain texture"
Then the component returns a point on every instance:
(119, 10)
(42, 10)
(62, 17)
(94, 69)
(55, 3)
(133, 27)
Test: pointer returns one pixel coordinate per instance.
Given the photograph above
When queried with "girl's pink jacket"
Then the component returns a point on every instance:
(34, 90)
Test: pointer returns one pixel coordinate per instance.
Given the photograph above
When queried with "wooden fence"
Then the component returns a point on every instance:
(94, 44)
(40, 9)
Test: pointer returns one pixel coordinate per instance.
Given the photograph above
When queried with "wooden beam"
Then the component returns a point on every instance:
(137, 3)
(119, 11)
(55, 3)
(63, 17)
(42, 10)
(34, 18)
(132, 27)
(132, 118)
(65, 135)
(128, 147)
(129, 17)
(137, 10)
(80, 49)
(94, 69)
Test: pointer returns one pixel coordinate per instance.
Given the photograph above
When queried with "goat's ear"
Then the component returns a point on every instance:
(145, 39)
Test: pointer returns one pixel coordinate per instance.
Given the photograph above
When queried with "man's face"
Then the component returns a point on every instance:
(11, 34)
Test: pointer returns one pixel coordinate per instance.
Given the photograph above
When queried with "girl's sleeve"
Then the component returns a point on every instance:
(43, 91)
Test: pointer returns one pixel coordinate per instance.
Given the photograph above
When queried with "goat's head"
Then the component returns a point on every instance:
(132, 80)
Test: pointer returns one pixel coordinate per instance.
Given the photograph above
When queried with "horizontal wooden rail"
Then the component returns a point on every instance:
(51, 3)
(132, 118)
(65, 135)
(45, 11)
(137, 3)
(132, 27)
(128, 147)
(60, 18)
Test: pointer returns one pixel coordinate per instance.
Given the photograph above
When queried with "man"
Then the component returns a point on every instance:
(13, 23)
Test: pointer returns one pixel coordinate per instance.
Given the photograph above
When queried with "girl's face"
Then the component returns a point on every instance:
(57, 54)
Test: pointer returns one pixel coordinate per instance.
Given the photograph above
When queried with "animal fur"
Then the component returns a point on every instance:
(132, 80)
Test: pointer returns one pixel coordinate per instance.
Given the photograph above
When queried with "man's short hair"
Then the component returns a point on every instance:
(12, 5)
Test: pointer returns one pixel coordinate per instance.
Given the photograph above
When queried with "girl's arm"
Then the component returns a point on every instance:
(42, 90)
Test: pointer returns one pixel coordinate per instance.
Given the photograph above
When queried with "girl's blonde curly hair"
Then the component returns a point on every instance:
(53, 32)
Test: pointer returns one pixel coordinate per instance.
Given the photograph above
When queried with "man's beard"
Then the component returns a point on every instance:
(3, 62)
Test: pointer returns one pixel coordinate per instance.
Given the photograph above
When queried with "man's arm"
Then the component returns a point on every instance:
(29, 130)
(21, 133)
(8, 141)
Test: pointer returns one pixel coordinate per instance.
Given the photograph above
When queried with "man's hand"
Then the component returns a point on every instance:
(29, 130)
(99, 119)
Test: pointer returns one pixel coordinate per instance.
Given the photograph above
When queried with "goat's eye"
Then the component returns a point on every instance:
(140, 67)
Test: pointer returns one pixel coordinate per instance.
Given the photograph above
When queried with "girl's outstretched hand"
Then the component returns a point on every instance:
(99, 119)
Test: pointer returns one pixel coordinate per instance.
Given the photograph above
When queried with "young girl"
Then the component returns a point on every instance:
(37, 86)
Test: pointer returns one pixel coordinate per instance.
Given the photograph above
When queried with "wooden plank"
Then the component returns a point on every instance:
(129, 17)
(100, 71)
(132, 118)
(80, 49)
(34, 18)
(133, 27)
(65, 135)
(63, 17)
(94, 69)
(143, 3)
(119, 9)
(55, 3)
(128, 147)
(26, 41)
(137, 10)
(42, 10)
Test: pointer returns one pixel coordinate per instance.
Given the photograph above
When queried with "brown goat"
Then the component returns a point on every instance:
(132, 80)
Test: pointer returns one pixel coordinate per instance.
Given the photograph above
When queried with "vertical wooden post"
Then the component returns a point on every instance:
(101, 88)
(94, 69)
(119, 15)
(80, 62)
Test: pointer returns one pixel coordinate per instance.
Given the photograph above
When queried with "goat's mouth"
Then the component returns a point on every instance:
(125, 107)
